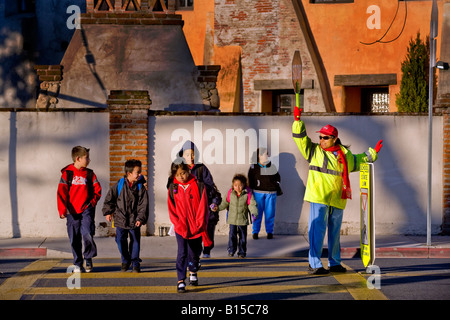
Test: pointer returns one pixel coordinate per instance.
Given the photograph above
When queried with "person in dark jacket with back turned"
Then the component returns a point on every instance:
(126, 203)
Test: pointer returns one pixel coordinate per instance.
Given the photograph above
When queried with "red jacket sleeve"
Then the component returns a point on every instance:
(63, 195)
(172, 211)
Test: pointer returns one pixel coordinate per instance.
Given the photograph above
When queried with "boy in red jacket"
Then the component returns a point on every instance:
(188, 211)
(78, 194)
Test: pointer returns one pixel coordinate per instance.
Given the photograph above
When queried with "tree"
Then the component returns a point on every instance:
(413, 96)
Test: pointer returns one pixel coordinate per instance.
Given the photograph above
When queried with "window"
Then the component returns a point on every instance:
(284, 100)
(185, 4)
(375, 99)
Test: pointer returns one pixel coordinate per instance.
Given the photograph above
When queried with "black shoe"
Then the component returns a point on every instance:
(255, 236)
(318, 271)
(125, 267)
(136, 269)
(181, 287)
(230, 254)
(269, 236)
(338, 268)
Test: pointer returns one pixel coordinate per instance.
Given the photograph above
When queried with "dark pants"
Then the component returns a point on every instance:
(82, 227)
(129, 251)
(211, 230)
(237, 240)
(188, 256)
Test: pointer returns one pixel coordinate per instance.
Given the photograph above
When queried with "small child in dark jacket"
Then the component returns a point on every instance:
(126, 203)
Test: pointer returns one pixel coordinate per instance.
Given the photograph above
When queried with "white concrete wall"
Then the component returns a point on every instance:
(400, 172)
(35, 146)
(33, 149)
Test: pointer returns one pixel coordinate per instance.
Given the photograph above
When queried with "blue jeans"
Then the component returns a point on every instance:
(320, 217)
(129, 251)
(237, 240)
(188, 255)
(266, 202)
(82, 227)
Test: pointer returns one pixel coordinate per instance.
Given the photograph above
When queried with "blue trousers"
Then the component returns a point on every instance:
(237, 240)
(188, 255)
(320, 217)
(129, 251)
(266, 202)
(81, 227)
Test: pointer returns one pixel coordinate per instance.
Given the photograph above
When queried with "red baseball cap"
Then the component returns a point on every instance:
(329, 130)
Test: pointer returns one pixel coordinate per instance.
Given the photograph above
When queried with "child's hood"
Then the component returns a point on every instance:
(188, 144)
(71, 167)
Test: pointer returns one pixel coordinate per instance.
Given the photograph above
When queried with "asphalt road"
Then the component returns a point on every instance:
(227, 279)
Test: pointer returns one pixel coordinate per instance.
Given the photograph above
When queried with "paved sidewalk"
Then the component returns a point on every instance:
(395, 246)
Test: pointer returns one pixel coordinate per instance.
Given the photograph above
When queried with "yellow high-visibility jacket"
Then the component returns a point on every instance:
(324, 184)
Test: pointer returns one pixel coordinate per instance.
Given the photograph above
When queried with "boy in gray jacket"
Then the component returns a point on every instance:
(127, 203)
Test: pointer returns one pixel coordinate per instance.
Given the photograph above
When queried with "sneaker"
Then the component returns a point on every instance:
(181, 287)
(206, 255)
(193, 280)
(241, 255)
(318, 271)
(77, 269)
(125, 267)
(89, 265)
(255, 236)
(338, 268)
(270, 236)
(230, 254)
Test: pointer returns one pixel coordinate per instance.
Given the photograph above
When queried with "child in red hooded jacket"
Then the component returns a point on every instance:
(78, 194)
(188, 211)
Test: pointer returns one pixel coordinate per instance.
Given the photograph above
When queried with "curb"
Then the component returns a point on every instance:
(346, 253)
(24, 253)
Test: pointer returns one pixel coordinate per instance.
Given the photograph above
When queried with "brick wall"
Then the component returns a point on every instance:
(117, 5)
(128, 130)
(268, 32)
(207, 81)
(119, 15)
(50, 77)
(131, 18)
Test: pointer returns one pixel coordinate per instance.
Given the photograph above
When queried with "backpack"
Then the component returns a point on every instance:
(249, 195)
(120, 186)
(89, 183)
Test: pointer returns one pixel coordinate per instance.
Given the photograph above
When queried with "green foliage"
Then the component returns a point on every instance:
(413, 96)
